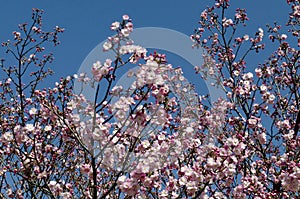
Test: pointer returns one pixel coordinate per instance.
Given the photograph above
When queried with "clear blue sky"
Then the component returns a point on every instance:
(87, 22)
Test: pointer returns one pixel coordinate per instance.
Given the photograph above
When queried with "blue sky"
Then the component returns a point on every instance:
(87, 22)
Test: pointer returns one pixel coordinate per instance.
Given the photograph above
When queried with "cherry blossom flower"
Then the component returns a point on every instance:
(158, 138)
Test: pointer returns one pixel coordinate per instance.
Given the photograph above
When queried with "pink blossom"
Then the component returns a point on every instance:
(125, 32)
(107, 46)
(227, 22)
(85, 168)
(125, 17)
(283, 37)
(115, 25)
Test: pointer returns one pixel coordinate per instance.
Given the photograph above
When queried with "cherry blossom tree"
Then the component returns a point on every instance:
(158, 138)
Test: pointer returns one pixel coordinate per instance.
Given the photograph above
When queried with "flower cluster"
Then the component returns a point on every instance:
(158, 138)
(99, 71)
